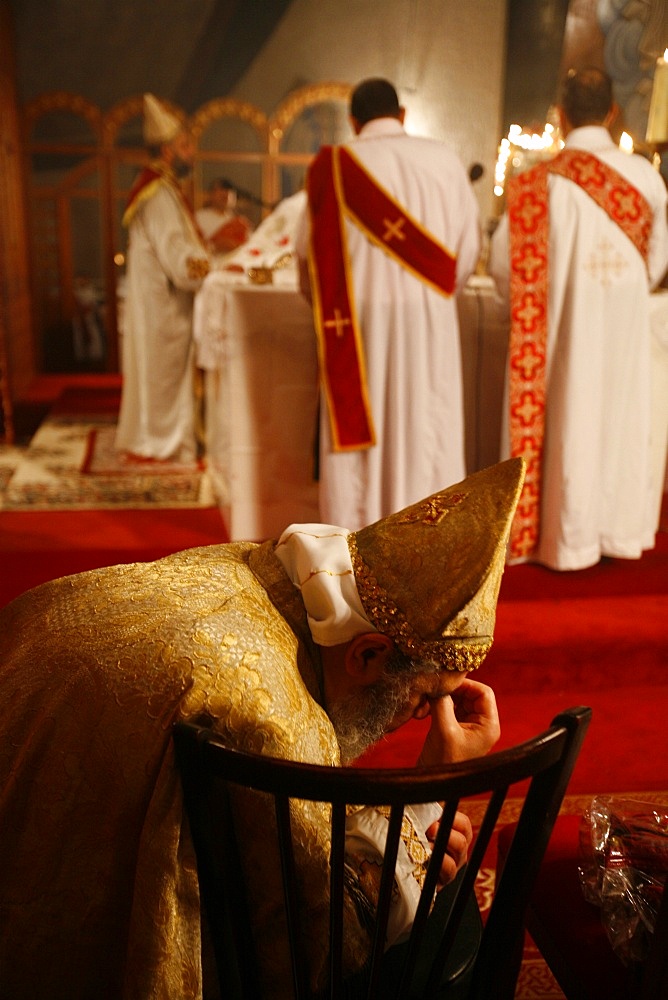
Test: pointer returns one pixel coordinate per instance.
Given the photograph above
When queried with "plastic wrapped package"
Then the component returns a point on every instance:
(623, 869)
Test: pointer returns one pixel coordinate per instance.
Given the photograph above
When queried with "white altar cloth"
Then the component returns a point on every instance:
(257, 347)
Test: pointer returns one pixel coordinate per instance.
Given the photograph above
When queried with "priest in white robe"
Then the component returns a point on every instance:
(577, 253)
(167, 261)
(392, 426)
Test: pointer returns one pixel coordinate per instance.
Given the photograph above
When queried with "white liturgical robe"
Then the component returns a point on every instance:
(410, 336)
(596, 488)
(166, 264)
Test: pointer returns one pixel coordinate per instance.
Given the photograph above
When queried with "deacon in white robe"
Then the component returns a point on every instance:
(409, 332)
(166, 263)
(596, 487)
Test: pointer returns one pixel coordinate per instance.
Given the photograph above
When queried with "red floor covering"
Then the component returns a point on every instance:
(36, 546)
(605, 646)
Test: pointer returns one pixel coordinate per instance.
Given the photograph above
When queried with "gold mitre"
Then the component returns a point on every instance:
(429, 576)
(160, 125)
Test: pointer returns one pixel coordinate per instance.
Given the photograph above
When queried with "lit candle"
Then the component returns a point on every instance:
(657, 122)
(626, 143)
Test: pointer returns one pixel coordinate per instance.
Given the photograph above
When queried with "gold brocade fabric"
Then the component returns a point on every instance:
(197, 267)
(98, 887)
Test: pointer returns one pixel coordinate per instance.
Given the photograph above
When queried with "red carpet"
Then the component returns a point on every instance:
(40, 545)
(598, 637)
(88, 400)
(609, 577)
(36, 546)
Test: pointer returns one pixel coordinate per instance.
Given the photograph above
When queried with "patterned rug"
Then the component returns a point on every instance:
(10, 456)
(70, 464)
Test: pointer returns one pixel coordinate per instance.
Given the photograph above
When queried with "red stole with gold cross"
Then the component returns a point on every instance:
(338, 188)
(529, 235)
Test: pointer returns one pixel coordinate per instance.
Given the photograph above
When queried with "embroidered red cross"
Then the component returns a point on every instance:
(433, 510)
(528, 212)
(530, 263)
(528, 408)
(528, 312)
(529, 450)
(528, 362)
(626, 203)
(588, 172)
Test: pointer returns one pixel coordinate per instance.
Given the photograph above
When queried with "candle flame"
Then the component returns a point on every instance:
(665, 54)
(626, 143)
(520, 142)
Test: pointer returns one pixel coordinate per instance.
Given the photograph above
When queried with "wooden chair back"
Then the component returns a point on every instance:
(654, 981)
(208, 768)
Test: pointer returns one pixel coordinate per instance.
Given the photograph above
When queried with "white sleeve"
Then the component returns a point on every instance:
(658, 244)
(180, 254)
(302, 232)
(366, 834)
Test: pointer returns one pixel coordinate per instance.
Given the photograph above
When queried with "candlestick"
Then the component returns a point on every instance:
(657, 121)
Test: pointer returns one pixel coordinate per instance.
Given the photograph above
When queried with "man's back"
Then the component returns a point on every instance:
(426, 178)
(98, 894)
(570, 207)
(594, 483)
(409, 333)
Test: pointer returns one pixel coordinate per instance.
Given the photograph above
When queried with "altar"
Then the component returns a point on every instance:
(256, 346)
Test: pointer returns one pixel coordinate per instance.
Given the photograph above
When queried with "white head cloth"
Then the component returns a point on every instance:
(317, 560)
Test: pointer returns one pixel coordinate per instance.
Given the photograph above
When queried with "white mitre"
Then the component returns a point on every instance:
(160, 125)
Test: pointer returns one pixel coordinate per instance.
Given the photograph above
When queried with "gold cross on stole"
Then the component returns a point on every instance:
(338, 322)
(394, 230)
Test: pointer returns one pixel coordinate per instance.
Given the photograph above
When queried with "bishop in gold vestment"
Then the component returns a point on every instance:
(98, 885)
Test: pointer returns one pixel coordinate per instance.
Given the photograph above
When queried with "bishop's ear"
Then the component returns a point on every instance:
(367, 656)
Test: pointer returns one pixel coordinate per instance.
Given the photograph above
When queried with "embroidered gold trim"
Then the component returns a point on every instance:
(432, 510)
(415, 849)
(197, 267)
(453, 652)
(143, 196)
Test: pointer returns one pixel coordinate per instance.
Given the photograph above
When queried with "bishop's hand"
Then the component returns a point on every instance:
(464, 724)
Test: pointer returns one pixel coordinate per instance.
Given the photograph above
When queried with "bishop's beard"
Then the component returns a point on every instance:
(362, 719)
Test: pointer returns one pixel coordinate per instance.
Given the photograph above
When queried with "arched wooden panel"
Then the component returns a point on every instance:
(94, 156)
